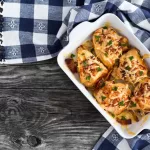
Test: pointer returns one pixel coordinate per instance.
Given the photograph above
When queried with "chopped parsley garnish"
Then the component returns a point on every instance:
(109, 43)
(131, 57)
(123, 118)
(106, 54)
(103, 98)
(123, 44)
(115, 88)
(141, 73)
(97, 38)
(113, 115)
(72, 55)
(127, 68)
(133, 104)
(84, 63)
(102, 85)
(88, 78)
(99, 69)
(92, 50)
(121, 103)
(105, 27)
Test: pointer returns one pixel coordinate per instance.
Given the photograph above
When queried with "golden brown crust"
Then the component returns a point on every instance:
(109, 45)
(89, 67)
(113, 97)
(127, 117)
(88, 45)
(131, 68)
(141, 97)
(71, 65)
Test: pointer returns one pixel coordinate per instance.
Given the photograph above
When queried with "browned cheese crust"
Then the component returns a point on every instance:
(113, 97)
(89, 67)
(109, 45)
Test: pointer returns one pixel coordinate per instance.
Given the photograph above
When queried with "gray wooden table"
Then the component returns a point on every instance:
(41, 109)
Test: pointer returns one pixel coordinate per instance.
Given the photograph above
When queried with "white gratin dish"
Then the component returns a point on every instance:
(81, 33)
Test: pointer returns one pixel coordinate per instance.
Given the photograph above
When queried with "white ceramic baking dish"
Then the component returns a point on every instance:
(80, 34)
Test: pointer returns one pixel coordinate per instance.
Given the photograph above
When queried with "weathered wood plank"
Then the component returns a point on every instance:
(45, 74)
(41, 101)
(62, 119)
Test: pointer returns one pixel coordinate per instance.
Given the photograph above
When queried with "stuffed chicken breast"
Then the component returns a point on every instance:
(131, 67)
(109, 45)
(141, 97)
(89, 67)
(113, 97)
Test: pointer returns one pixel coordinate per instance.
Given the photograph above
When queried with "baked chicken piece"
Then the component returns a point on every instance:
(131, 67)
(88, 45)
(113, 97)
(141, 98)
(109, 45)
(127, 117)
(89, 67)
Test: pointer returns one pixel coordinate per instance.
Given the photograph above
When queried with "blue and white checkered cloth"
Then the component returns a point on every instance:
(35, 30)
(111, 140)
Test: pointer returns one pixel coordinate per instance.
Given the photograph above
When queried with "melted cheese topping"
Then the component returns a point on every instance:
(113, 97)
(89, 67)
(88, 45)
(109, 45)
(132, 68)
(142, 95)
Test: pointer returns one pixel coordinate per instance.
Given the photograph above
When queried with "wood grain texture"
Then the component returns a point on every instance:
(39, 100)
(36, 75)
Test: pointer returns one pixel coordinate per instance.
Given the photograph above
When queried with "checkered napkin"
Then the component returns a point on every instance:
(35, 30)
(111, 140)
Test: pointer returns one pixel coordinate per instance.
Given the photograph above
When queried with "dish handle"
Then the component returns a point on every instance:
(74, 34)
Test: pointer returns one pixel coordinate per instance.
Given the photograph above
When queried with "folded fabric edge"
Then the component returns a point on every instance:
(105, 134)
(27, 60)
(1, 29)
